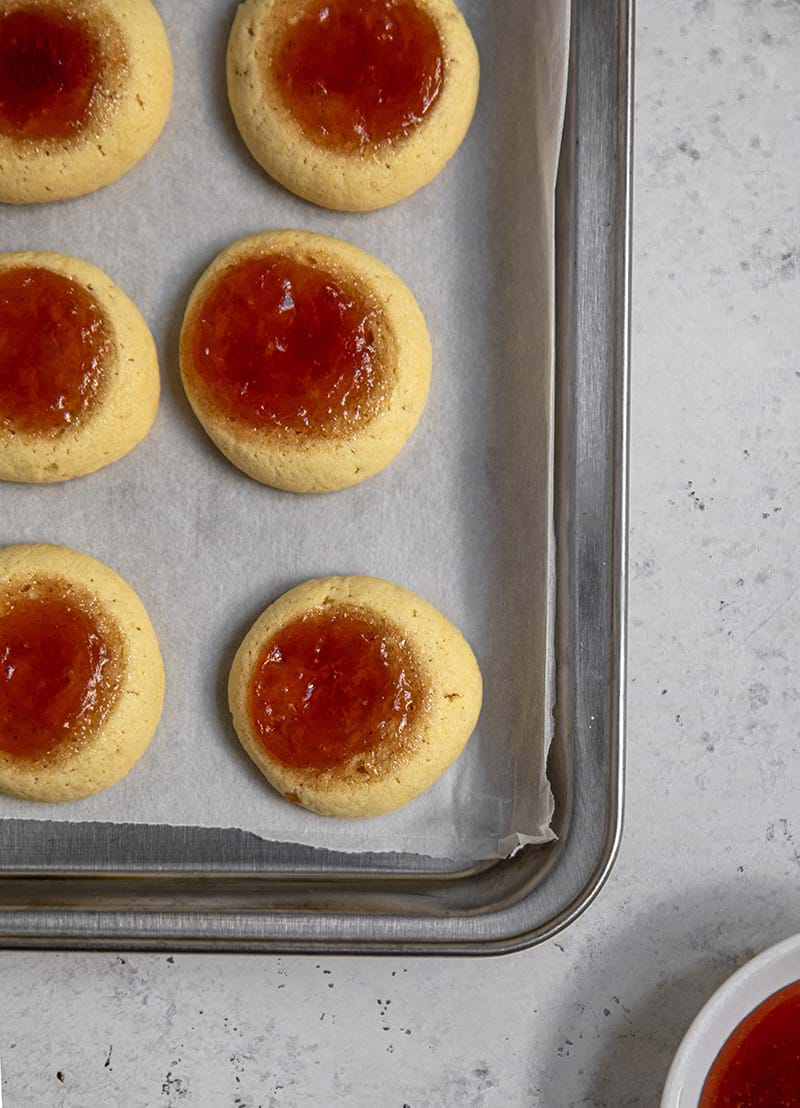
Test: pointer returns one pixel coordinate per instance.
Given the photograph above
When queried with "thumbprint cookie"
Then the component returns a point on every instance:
(352, 104)
(85, 89)
(79, 380)
(306, 360)
(81, 677)
(352, 695)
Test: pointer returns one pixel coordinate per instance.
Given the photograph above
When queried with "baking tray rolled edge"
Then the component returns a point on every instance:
(522, 901)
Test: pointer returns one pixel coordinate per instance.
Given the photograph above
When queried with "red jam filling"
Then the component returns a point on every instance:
(356, 73)
(53, 674)
(50, 66)
(759, 1065)
(53, 348)
(331, 686)
(279, 343)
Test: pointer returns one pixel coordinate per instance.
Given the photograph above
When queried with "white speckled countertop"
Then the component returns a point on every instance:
(710, 867)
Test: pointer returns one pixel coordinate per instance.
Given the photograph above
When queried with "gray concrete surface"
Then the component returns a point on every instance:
(710, 868)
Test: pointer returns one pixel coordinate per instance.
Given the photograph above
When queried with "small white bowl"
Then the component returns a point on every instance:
(731, 1003)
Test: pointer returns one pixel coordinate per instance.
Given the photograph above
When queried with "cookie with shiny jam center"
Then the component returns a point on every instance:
(334, 686)
(279, 343)
(55, 344)
(51, 66)
(59, 667)
(356, 73)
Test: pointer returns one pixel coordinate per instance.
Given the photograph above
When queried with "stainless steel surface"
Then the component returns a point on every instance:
(103, 885)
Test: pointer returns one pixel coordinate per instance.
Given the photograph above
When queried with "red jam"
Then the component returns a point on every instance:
(54, 673)
(331, 686)
(50, 66)
(279, 343)
(53, 348)
(356, 73)
(759, 1065)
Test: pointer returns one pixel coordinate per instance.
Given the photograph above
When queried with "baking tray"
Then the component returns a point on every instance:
(96, 886)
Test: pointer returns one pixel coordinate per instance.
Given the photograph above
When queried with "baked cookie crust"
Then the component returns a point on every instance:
(93, 762)
(311, 462)
(128, 401)
(127, 113)
(361, 180)
(450, 694)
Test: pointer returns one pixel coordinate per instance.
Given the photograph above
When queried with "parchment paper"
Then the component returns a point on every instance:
(463, 516)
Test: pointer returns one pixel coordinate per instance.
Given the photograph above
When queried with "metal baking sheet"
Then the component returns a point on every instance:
(185, 889)
(462, 516)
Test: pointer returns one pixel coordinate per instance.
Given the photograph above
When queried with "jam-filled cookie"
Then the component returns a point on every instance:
(352, 104)
(85, 89)
(81, 677)
(352, 695)
(79, 380)
(306, 360)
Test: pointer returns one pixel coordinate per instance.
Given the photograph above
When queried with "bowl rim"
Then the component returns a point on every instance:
(732, 1002)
